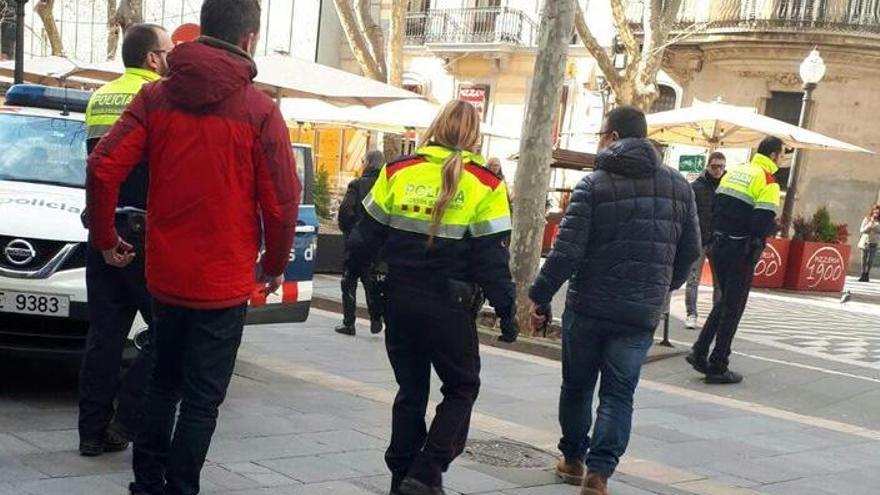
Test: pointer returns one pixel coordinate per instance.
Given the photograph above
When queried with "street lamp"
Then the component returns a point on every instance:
(19, 41)
(812, 71)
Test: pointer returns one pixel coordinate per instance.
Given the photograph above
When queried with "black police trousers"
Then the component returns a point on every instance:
(734, 270)
(115, 295)
(372, 288)
(430, 324)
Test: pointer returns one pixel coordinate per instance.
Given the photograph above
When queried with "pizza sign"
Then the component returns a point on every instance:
(475, 95)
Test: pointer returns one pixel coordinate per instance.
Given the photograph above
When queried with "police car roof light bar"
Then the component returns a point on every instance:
(51, 98)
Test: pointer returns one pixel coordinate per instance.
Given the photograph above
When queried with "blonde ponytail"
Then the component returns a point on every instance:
(456, 127)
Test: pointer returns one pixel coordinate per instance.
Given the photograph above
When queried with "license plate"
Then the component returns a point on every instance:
(28, 303)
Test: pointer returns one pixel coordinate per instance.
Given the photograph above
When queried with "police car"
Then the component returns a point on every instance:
(43, 243)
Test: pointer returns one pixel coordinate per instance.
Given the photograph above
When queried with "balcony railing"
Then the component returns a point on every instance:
(495, 25)
(844, 16)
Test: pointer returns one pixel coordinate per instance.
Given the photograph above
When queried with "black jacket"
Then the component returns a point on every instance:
(351, 210)
(629, 236)
(704, 195)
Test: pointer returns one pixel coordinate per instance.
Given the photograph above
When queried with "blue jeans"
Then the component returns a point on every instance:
(591, 348)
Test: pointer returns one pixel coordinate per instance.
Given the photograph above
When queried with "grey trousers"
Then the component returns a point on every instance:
(693, 285)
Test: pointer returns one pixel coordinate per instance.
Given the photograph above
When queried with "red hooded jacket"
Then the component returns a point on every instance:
(219, 163)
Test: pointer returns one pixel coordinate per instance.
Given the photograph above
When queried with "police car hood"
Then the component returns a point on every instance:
(38, 211)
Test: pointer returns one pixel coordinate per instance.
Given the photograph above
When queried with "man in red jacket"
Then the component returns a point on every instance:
(221, 174)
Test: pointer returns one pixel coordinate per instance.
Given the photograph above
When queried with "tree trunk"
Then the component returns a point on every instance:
(374, 35)
(130, 12)
(393, 142)
(44, 10)
(536, 149)
(112, 30)
(357, 41)
(7, 30)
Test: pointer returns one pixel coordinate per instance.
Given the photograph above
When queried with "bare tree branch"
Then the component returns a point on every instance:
(129, 12)
(621, 23)
(603, 60)
(44, 10)
(661, 22)
(357, 40)
(374, 36)
(112, 30)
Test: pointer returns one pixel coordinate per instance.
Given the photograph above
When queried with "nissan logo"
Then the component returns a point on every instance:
(20, 252)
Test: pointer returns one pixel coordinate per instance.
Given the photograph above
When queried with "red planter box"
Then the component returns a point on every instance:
(816, 266)
(769, 271)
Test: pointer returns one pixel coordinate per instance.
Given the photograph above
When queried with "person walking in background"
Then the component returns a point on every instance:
(869, 240)
(745, 215)
(443, 222)
(221, 172)
(494, 164)
(704, 194)
(351, 211)
(117, 293)
(629, 236)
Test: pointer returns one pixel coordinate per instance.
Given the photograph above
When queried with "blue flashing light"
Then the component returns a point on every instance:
(51, 98)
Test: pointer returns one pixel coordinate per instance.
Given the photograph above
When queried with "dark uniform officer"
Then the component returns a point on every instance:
(744, 216)
(116, 295)
(443, 222)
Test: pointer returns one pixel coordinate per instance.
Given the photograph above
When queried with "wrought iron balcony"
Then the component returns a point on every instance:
(494, 25)
(858, 17)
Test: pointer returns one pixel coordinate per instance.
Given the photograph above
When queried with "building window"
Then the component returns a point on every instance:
(665, 100)
(418, 5)
(784, 106)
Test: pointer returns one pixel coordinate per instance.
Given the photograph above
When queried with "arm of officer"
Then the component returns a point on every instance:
(368, 235)
(764, 212)
(490, 230)
(570, 246)
(278, 192)
(109, 164)
(688, 250)
(347, 215)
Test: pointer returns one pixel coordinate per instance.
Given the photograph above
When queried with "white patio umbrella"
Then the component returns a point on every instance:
(56, 71)
(718, 125)
(289, 77)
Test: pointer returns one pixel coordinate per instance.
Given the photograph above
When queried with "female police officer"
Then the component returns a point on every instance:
(443, 221)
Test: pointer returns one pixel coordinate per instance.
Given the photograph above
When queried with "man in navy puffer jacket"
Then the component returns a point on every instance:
(629, 236)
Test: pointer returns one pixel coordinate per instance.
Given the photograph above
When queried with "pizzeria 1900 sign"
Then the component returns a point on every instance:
(817, 266)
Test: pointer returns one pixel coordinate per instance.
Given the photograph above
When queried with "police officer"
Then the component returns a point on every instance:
(744, 216)
(116, 295)
(443, 222)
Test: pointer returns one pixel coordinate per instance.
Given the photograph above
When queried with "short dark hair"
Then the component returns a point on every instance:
(629, 122)
(716, 155)
(139, 41)
(230, 20)
(770, 145)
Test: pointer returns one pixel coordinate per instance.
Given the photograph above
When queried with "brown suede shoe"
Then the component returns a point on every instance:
(570, 472)
(595, 484)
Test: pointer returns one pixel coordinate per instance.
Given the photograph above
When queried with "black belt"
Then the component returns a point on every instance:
(731, 237)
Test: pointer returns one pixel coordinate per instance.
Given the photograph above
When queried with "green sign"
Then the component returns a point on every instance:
(691, 163)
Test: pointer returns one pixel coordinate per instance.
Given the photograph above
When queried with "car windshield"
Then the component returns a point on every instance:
(43, 150)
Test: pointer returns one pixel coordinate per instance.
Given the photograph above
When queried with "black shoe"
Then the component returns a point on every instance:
(698, 363)
(412, 486)
(91, 449)
(726, 377)
(345, 329)
(114, 442)
(376, 327)
(134, 490)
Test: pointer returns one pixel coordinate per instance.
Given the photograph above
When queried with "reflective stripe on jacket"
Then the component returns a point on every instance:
(404, 195)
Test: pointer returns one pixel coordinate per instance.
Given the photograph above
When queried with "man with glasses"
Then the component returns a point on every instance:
(704, 194)
(116, 294)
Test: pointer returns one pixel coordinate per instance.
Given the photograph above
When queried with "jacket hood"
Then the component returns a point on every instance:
(206, 72)
(630, 157)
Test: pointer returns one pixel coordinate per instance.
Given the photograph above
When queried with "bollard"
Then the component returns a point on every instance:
(665, 342)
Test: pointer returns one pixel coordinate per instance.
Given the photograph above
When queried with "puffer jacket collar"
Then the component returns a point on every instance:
(630, 157)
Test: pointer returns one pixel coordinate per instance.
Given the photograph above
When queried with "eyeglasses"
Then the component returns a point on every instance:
(599, 134)
(717, 166)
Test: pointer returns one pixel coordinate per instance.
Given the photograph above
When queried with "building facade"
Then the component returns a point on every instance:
(748, 52)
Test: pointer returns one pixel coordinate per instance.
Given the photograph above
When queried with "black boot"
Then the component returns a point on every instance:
(412, 486)
(698, 363)
(376, 326)
(725, 377)
(345, 329)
